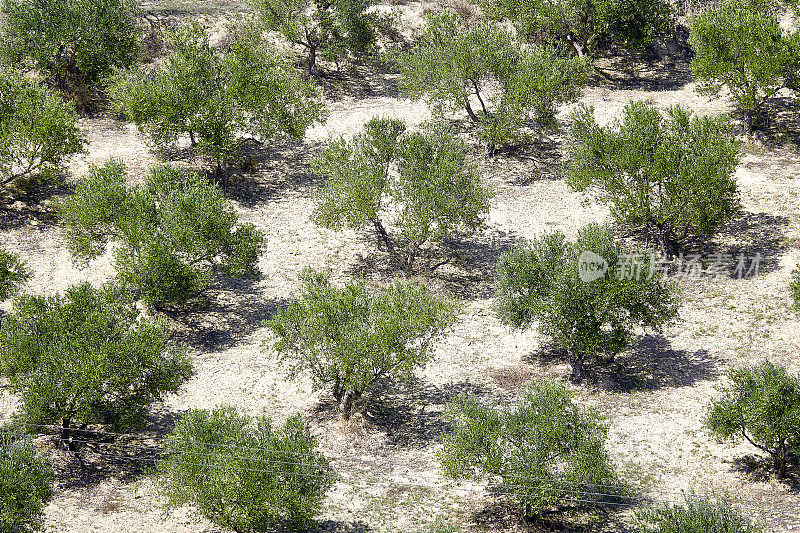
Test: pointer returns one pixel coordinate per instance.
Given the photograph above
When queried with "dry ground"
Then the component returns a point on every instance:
(655, 398)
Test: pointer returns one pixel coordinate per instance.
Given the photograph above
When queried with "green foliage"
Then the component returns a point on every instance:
(13, 273)
(352, 338)
(585, 25)
(457, 68)
(74, 43)
(87, 357)
(37, 129)
(548, 280)
(243, 474)
(761, 405)
(25, 484)
(333, 28)
(697, 515)
(668, 174)
(740, 46)
(546, 449)
(794, 289)
(174, 232)
(216, 97)
(421, 181)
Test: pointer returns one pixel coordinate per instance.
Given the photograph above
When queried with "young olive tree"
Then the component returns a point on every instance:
(669, 174)
(37, 129)
(331, 28)
(546, 450)
(74, 44)
(697, 515)
(214, 98)
(585, 25)
(26, 481)
(761, 405)
(589, 297)
(739, 45)
(13, 273)
(173, 232)
(244, 474)
(504, 87)
(352, 338)
(419, 183)
(87, 357)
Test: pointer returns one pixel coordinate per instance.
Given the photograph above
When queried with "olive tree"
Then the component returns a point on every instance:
(669, 174)
(590, 297)
(585, 25)
(417, 182)
(13, 273)
(74, 44)
(215, 97)
(26, 481)
(37, 129)
(173, 232)
(507, 89)
(351, 338)
(331, 28)
(242, 473)
(740, 46)
(546, 450)
(761, 405)
(86, 357)
(698, 514)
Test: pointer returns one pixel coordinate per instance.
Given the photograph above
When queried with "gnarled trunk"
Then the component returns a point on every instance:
(576, 362)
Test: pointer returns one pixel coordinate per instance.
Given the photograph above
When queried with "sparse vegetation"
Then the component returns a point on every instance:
(584, 26)
(216, 98)
(331, 28)
(739, 45)
(352, 338)
(87, 357)
(74, 44)
(421, 181)
(244, 474)
(509, 91)
(589, 297)
(37, 130)
(13, 273)
(546, 450)
(25, 483)
(697, 515)
(669, 174)
(762, 406)
(174, 232)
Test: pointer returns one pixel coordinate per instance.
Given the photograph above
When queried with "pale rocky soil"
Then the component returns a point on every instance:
(655, 399)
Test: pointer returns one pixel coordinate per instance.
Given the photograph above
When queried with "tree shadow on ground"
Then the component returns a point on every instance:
(31, 204)
(269, 169)
(362, 77)
(334, 526)
(777, 122)
(653, 364)
(753, 233)
(649, 365)
(504, 515)
(759, 469)
(663, 66)
(124, 458)
(223, 315)
(535, 160)
(411, 415)
(469, 274)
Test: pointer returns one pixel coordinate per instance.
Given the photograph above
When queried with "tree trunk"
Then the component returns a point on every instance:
(576, 362)
(347, 402)
(490, 150)
(666, 245)
(780, 460)
(312, 61)
(748, 121)
(66, 435)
